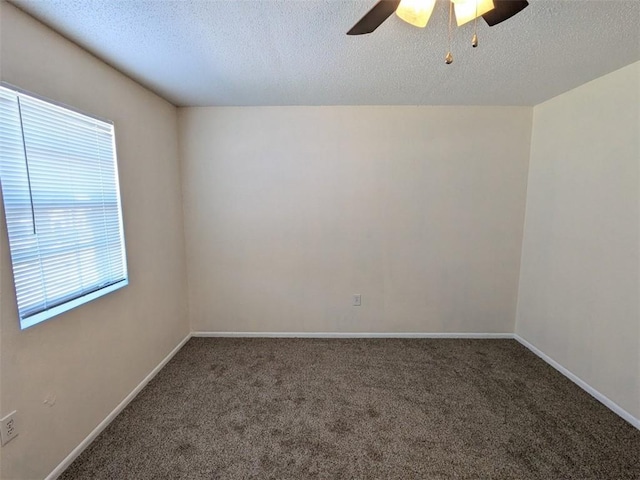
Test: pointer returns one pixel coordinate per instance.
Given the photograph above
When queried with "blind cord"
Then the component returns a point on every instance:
(26, 162)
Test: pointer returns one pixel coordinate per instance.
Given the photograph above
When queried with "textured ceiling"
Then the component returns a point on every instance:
(295, 52)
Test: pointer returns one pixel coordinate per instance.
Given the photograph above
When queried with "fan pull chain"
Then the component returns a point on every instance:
(448, 59)
(474, 40)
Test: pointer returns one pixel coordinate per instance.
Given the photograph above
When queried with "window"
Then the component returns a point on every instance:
(62, 205)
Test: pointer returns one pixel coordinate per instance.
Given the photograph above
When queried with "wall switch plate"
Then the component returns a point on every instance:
(357, 299)
(8, 428)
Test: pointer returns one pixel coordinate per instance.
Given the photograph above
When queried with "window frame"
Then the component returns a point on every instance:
(66, 305)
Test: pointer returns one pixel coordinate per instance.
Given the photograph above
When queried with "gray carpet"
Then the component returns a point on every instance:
(361, 408)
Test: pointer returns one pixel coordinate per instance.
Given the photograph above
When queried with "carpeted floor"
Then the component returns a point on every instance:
(361, 408)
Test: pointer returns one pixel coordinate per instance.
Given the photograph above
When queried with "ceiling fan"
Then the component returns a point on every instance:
(418, 12)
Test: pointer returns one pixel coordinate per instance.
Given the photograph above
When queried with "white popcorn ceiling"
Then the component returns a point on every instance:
(296, 52)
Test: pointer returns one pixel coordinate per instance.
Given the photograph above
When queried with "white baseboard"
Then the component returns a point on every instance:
(581, 383)
(349, 335)
(116, 411)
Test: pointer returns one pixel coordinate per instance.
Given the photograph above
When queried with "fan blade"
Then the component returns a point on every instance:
(504, 10)
(374, 17)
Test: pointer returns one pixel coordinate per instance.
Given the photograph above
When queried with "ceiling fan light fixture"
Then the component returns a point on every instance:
(416, 12)
(467, 10)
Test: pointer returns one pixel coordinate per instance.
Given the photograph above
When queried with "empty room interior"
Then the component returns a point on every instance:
(300, 239)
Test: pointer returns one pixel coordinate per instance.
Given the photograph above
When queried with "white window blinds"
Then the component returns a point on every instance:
(62, 206)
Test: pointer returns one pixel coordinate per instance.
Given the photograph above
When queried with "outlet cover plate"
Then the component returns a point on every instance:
(357, 299)
(8, 428)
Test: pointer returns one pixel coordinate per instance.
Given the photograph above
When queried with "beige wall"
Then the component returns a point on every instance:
(92, 357)
(579, 288)
(291, 210)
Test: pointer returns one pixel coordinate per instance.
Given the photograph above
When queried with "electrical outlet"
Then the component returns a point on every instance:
(357, 299)
(8, 428)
